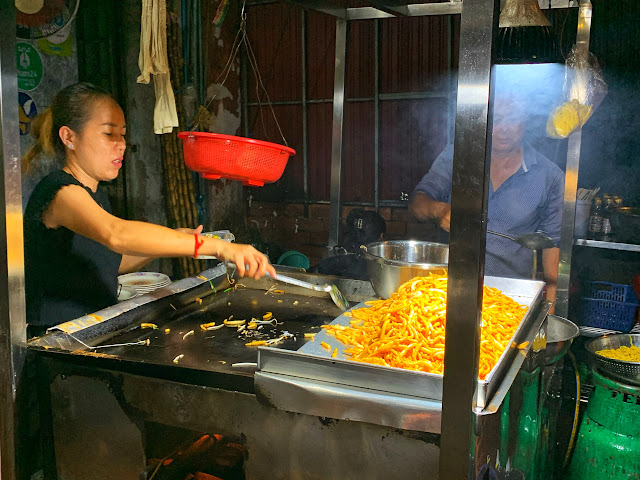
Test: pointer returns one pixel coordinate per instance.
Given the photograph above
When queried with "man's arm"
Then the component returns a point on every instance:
(551, 224)
(424, 208)
(430, 199)
(550, 261)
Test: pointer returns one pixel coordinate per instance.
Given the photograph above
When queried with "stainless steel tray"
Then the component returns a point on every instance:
(314, 362)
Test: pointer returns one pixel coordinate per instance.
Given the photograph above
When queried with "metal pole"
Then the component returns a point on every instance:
(244, 72)
(305, 127)
(469, 193)
(337, 131)
(571, 178)
(451, 107)
(376, 115)
(12, 309)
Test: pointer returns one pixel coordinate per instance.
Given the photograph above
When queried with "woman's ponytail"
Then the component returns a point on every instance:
(42, 132)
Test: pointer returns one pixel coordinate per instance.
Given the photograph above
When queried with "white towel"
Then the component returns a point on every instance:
(153, 60)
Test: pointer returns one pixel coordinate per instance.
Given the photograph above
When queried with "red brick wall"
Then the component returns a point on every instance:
(295, 226)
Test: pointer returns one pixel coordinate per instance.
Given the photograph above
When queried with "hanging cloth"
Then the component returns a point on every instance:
(153, 60)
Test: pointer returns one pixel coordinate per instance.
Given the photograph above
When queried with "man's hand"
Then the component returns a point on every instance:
(444, 214)
(424, 208)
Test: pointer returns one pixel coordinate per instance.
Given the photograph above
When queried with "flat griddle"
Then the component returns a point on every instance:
(295, 314)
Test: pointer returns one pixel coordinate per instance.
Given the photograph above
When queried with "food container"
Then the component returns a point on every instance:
(622, 371)
(225, 235)
(611, 306)
(625, 224)
(391, 263)
(253, 162)
(313, 362)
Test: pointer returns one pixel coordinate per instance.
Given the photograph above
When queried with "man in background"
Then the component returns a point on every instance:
(526, 192)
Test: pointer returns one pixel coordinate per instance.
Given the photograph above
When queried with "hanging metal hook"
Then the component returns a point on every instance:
(243, 13)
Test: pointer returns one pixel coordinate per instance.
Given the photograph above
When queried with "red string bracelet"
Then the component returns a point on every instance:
(197, 245)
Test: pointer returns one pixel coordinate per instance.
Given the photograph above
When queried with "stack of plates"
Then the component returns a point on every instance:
(143, 282)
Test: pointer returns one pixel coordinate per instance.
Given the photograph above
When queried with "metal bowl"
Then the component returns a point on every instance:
(391, 263)
(625, 224)
(560, 334)
(626, 372)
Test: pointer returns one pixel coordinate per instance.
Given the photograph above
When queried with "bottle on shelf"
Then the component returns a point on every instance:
(594, 231)
(605, 234)
(618, 201)
(608, 204)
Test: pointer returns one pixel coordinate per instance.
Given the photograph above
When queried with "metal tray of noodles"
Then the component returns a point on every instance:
(623, 371)
(313, 362)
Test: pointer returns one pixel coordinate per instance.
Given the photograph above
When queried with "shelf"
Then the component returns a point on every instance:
(598, 332)
(610, 245)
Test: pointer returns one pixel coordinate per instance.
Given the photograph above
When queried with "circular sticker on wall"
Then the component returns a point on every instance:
(29, 6)
(41, 18)
(29, 66)
(27, 111)
(60, 43)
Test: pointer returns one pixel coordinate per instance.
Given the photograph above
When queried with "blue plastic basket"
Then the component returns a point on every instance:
(610, 291)
(608, 314)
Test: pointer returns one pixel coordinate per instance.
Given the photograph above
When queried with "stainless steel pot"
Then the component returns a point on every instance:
(391, 263)
(560, 334)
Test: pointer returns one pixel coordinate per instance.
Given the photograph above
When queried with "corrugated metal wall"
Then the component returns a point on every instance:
(415, 55)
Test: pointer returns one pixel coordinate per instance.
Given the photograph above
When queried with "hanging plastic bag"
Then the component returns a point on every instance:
(584, 89)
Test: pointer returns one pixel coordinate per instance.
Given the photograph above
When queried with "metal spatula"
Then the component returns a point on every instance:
(332, 290)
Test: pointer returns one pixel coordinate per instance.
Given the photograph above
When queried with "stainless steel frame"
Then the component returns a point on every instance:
(305, 133)
(627, 247)
(376, 116)
(12, 310)
(337, 131)
(571, 178)
(469, 196)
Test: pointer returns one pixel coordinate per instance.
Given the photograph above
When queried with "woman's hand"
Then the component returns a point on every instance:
(249, 261)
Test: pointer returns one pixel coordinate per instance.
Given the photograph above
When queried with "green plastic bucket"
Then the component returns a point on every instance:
(293, 258)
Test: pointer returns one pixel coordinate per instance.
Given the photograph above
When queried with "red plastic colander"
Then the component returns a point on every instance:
(253, 162)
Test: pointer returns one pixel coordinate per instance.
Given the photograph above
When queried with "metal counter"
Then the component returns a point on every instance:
(107, 384)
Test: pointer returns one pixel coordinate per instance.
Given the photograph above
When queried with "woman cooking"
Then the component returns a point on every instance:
(74, 247)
